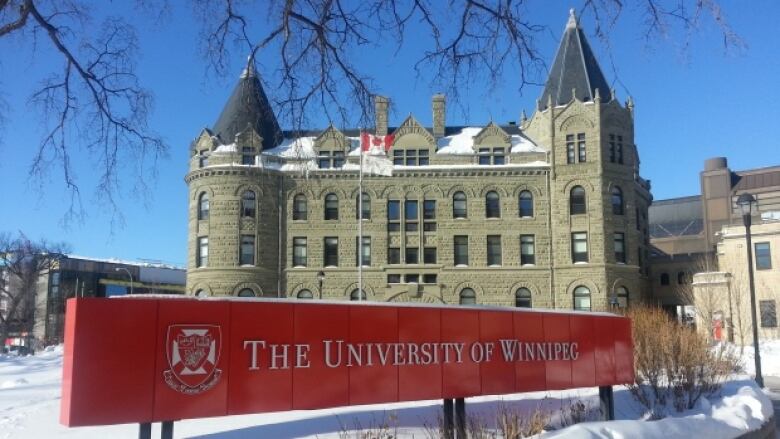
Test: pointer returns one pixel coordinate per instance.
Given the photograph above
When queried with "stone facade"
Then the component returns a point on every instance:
(586, 144)
(726, 293)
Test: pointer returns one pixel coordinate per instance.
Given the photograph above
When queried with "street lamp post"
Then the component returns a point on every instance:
(129, 274)
(746, 203)
(321, 278)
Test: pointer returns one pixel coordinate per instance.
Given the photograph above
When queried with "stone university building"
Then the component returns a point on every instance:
(547, 213)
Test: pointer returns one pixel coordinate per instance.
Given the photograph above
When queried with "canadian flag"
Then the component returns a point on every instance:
(373, 154)
(370, 142)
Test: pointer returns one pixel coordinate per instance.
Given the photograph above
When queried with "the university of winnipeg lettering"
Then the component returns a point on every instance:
(338, 353)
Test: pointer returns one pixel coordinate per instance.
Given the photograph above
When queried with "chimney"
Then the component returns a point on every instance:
(380, 110)
(439, 110)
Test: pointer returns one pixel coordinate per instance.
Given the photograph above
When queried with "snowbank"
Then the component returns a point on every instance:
(30, 397)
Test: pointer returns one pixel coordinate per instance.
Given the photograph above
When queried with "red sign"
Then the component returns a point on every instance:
(136, 360)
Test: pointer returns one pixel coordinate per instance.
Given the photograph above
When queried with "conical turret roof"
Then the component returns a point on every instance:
(575, 68)
(248, 107)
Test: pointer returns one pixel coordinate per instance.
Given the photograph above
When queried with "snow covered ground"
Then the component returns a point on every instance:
(30, 396)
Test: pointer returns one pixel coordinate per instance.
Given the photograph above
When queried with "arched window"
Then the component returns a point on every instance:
(248, 204)
(459, 209)
(664, 278)
(203, 206)
(617, 201)
(366, 207)
(331, 207)
(305, 294)
(246, 292)
(582, 298)
(468, 297)
(523, 298)
(300, 207)
(526, 204)
(577, 201)
(201, 293)
(357, 295)
(622, 297)
(492, 205)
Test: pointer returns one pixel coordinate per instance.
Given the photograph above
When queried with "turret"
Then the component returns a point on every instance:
(575, 73)
(248, 108)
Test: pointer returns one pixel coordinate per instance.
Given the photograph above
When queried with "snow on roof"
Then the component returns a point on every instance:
(227, 148)
(461, 143)
(301, 147)
(155, 264)
(524, 144)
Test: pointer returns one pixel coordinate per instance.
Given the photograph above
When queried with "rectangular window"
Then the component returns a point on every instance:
(763, 256)
(620, 150)
(579, 247)
(393, 215)
(461, 250)
(394, 278)
(581, 147)
(429, 215)
(484, 156)
(247, 156)
(398, 157)
(612, 148)
(410, 157)
(247, 256)
(203, 160)
(494, 156)
(494, 250)
(422, 156)
(324, 160)
(527, 250)
(412, 255)
(768, 313)
(429, 209)
(498, 156)
(338, 159)
(620, 247)
(412, 278)
(331, 252)
(203, 252)
(429, 278)
(570, 149)
(429, 255)
(393, 255)
(328, 159)
(299, 252)
(411, 215)
(364, 250)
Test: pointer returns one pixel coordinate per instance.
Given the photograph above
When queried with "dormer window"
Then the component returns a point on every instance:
(203, 159)
(492, 156)
(411, 157)
(331, 159)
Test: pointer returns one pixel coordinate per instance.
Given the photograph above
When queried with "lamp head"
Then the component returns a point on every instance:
(321, 276)
(746, 202)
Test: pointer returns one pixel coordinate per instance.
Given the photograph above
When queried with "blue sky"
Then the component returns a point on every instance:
(690, 105)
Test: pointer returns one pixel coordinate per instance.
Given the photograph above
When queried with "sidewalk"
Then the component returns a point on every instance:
(773, 383)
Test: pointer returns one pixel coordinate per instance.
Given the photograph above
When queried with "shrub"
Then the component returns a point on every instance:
(674, 365)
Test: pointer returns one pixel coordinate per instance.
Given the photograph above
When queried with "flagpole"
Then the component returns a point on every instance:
(360, 225)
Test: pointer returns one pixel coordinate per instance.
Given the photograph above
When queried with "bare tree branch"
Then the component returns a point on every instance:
(95, 101)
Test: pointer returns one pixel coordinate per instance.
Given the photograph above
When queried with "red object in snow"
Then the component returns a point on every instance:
(133, 360)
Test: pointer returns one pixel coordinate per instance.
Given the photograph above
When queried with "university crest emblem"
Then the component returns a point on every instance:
(193, 353)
